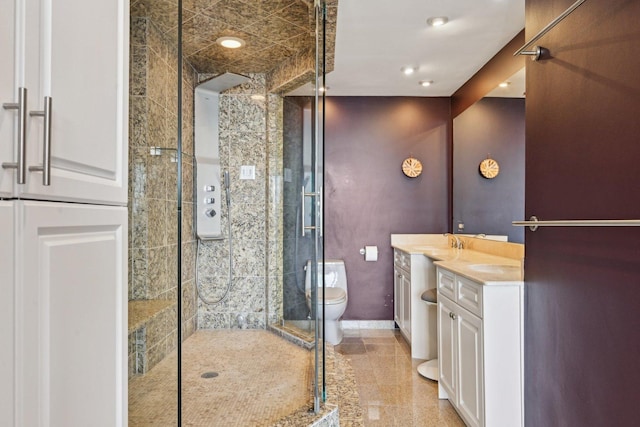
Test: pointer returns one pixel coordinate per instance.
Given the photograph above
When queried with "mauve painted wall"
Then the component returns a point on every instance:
(367, 197)
(492, 126)
(582, 348)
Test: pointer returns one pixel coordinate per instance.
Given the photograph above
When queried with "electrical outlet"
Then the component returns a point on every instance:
(247, 172)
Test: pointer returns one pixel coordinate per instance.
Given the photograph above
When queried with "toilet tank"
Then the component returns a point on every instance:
(335, 274)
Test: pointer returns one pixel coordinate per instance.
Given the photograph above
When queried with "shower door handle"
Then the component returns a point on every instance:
(320, 211)
(302, 211)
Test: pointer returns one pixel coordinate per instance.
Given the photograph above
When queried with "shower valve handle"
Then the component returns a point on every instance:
(210, 213)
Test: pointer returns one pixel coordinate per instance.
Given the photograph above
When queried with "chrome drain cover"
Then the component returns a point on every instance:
(209, 375)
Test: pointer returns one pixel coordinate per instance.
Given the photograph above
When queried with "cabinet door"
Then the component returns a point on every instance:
(470, 367)
(447, 350)
(8, 94)
(72, 355)
(406, 306)
(7, 281)
(397, 297)
(82, 64)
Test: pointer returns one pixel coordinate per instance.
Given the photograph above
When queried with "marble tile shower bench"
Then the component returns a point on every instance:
(152, 333)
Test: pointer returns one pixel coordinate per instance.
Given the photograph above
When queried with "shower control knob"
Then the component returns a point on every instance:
(210, 213)
(209, 200)
(209, 188)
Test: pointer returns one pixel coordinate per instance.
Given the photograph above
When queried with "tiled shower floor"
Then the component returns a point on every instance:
(262, 378)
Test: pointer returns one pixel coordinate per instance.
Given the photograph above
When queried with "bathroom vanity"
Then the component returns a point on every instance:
(414, 274)
(480, 351)
(479, 321)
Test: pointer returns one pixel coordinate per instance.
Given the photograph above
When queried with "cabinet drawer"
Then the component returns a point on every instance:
(402, 260)
(469, 295)
(397, 258)
(446, 284)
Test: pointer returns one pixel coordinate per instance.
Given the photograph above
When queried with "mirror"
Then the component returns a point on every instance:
(492, 128)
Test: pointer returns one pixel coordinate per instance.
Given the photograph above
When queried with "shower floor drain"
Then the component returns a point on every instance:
(209, 375)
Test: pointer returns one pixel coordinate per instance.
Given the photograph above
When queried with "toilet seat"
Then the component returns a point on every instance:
(331, 296)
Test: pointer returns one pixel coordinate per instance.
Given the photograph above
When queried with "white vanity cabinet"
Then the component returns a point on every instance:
(480, 343)
(413, 274)
(402, 292)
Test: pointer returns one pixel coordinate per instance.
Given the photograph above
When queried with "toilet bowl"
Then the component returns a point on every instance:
(335, 297)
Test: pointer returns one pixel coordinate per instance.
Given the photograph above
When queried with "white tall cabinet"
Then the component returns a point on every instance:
(63, 245)
(7, 314)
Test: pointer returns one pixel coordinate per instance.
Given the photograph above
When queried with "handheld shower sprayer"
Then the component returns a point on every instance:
(227, 186)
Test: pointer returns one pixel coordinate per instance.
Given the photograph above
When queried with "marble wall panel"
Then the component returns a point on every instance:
(138, 121)
(249, 258)
(248, 221)
(213, 289)
(208, 318)
(188, 260)
(138, 266)
(157, 272)
(153, 181)
(247, 295)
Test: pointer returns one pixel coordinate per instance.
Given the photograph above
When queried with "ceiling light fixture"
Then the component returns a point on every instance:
(323, 88)
(231, 42)
(426, 83)
(437, 21)
(504, 84)
(407, 71)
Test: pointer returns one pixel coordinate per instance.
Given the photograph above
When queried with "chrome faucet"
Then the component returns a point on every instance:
(456, 243)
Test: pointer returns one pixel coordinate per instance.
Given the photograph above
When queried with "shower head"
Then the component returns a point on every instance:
(223, 81)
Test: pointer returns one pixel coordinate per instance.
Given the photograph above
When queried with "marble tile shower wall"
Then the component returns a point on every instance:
(153, 246)
(275, 222)
(250, 134)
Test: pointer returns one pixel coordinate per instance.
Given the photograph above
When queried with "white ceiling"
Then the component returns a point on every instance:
(375, 38)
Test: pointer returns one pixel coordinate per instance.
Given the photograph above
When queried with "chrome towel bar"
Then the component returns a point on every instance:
(534, 223)
(538, 51)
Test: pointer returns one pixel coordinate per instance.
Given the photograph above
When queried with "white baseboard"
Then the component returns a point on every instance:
(368, 324)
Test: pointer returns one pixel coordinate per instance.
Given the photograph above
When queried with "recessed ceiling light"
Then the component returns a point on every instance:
(437, 21)
(257, 97)
(231, 42)
(504, 84)
(426, 83)
(407, 71)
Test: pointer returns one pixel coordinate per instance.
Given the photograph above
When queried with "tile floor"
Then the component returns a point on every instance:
(392, 393)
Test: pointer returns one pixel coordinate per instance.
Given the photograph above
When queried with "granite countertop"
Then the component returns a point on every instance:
(480, 267)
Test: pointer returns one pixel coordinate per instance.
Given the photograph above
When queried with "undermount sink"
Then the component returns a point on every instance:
(494, 268)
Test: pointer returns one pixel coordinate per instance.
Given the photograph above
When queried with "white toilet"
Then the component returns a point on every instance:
(335, 296)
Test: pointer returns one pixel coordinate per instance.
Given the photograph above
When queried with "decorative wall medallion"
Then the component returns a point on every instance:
(411, 167)
(489, 168)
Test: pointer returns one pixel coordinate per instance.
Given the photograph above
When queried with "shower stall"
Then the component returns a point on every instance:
(225, 209)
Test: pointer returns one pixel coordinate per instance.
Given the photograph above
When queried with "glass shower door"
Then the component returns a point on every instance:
(317, 179)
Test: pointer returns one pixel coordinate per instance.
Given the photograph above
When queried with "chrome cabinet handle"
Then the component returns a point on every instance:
(21, 106)
(45, 168)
